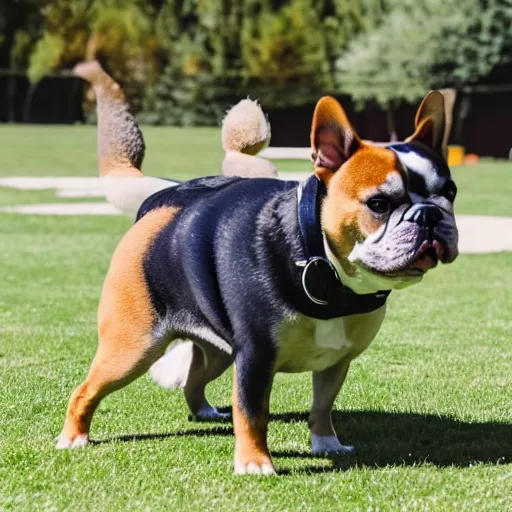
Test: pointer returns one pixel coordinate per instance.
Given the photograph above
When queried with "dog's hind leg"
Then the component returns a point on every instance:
(113, 367)
(126, 320)
(192, 366)
(208, 363)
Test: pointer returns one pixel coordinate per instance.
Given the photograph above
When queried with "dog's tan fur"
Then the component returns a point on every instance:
(127, 344)
(351, 169)
(251, 450)
(120, 142)
(126, 347)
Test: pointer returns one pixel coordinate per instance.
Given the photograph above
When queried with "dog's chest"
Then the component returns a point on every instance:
(309, 344)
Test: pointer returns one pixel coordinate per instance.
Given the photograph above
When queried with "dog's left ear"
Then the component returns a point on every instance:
(333, 139)
(430, 123)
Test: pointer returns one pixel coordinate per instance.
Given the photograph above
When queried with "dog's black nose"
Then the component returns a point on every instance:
(426, 215)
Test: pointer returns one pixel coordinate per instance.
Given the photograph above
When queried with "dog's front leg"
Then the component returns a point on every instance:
(326, 386)
(251, 394)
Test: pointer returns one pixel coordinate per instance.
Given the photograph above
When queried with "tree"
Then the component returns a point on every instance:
(64, 37)
(285, 50)
(119, 33)
(423, 45)
(122, 38)
(20, 26)
(342, 20)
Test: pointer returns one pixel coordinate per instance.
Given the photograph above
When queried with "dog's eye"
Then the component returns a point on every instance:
(449, 191)
(379, 205)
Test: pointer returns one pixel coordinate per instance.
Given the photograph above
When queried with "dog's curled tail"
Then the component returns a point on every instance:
(245, 132)
(120, 143)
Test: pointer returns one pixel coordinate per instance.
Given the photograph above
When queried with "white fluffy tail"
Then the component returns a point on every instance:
(245, 132)
(171, 371)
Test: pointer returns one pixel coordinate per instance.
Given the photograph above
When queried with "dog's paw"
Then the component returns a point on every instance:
(328, 444)
(209, 413)
(64, 442)
(255, 468)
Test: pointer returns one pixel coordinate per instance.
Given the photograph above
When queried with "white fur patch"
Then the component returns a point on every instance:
(394, 185)
(172, 369)
(368, 282)
(328, 444)
(64, 442)
(420, 165)
(309, 344)
(255, 469)
(165, 329)
(331, 334)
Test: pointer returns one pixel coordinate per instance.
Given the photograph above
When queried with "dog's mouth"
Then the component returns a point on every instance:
(428, 255)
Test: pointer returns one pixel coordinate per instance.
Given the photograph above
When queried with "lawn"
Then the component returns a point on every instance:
(428, 406)
(183, 153)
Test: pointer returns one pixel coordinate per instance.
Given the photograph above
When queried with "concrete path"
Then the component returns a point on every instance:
(478, 234)
(286, 153)
(96, 208)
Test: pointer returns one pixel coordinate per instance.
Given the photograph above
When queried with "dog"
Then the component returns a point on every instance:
(273, 276)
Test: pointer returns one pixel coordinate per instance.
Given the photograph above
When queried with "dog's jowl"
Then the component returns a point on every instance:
(273, 276)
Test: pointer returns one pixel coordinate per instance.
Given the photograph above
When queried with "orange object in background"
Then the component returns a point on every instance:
(456, 155)
(471, 159)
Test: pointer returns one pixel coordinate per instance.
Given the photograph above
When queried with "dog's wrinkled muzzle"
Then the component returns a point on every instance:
(414, 240)
(431, 251)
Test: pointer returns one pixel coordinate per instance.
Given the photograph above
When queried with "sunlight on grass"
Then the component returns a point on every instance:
(428, 406)
(185, 153)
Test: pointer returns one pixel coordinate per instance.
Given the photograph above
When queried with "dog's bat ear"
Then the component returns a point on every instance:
(430, 123)
(333, 139)
(449, 95)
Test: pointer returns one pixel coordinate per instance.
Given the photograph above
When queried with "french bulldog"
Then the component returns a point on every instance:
(272, 275)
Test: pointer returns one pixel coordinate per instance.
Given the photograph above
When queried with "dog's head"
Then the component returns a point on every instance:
(388, 215)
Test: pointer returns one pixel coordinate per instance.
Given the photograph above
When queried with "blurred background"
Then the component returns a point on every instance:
(183, 62)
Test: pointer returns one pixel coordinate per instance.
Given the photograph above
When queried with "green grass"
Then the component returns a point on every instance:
(184, 153)
(428, 406)
(180, 153)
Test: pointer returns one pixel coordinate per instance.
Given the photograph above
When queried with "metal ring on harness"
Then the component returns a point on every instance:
(315, 261)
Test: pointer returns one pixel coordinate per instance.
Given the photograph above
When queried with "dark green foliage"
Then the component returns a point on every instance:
(419, 46)
(186, 61)
(218, 51)
(182, 100)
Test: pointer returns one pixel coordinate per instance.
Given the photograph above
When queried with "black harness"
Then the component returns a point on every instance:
(328, 297)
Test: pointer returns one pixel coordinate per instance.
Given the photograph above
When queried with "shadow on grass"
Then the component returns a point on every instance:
(406, 439)
(195, 432)
(386, 439)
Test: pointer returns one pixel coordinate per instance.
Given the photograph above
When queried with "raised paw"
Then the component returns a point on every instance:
(79, 441)
(328, 444)
(262, 467)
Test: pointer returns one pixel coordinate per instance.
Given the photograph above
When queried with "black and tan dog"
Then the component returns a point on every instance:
(275, 276)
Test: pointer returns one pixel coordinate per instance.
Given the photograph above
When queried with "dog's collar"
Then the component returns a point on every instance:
(328, 297)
